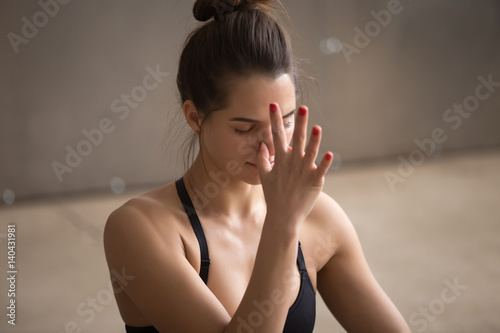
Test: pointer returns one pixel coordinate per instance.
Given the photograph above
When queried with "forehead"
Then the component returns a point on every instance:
(250, 97)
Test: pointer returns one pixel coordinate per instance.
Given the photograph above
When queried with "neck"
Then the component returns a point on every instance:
(216, 193)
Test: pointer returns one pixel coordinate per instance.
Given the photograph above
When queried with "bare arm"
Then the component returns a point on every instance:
(169, 291)
(349, 288)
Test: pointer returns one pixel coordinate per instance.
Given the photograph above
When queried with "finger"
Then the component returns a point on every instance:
(278, 131)
(263, 164)
(300, 132)
(324, 165)
(313, 146)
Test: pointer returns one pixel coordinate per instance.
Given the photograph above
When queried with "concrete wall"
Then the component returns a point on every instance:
(377, 94)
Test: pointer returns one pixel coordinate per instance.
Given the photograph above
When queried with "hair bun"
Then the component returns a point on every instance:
(204, 10)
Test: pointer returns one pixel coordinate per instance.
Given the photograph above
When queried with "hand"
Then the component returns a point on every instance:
(292, 186)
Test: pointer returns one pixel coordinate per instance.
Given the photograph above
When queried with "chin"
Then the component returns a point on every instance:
(253, 179)
(246, 174)
(254, 182)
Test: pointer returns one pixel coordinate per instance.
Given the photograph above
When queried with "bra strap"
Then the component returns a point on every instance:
(195, 223)
(300, 260)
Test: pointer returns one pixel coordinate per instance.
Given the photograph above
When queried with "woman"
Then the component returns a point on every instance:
(244, 239)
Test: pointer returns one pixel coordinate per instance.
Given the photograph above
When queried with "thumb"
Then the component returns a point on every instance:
(263, 158)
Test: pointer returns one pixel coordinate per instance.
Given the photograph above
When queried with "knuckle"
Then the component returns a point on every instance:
(300, 136)
(310, 154)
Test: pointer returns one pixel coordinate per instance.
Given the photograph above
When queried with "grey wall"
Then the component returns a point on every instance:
(373, 103)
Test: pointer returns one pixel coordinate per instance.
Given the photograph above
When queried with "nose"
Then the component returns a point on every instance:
(266, 136)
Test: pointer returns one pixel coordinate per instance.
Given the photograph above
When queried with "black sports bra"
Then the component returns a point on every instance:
(301, 315)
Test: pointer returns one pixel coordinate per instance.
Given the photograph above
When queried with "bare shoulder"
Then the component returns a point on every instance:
(144, 238)
(329, 227)
(328, 216)
(147, 207)
(152, 215)
(328, 213)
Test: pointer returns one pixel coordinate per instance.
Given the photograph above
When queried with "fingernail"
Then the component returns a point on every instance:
(260, 143)
(315, 131)
(328, 156)
(302, 111)
(273, 108)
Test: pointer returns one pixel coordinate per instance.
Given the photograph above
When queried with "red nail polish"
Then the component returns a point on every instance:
(260, 143)
(328, 156)
(302, 111)
(273, 108)
(315, 131)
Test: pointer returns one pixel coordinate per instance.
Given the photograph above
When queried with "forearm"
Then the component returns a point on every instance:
(268, 293)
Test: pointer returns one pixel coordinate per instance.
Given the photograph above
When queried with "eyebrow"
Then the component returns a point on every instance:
(256, 121)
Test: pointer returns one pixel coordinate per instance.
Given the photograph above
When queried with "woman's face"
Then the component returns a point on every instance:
(231, 136)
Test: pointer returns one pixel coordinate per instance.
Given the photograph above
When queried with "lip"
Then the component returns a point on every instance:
(255, 165)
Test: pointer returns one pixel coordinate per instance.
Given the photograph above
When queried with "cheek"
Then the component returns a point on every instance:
(216, 144)
(228, 147)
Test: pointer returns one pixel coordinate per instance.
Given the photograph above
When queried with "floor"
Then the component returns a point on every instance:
(431, 236)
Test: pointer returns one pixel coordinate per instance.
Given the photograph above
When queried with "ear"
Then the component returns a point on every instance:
(193, 118)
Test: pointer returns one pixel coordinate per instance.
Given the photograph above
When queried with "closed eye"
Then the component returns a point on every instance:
(241, 132)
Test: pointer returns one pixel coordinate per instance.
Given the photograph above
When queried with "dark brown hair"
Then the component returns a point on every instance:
(240, 38)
